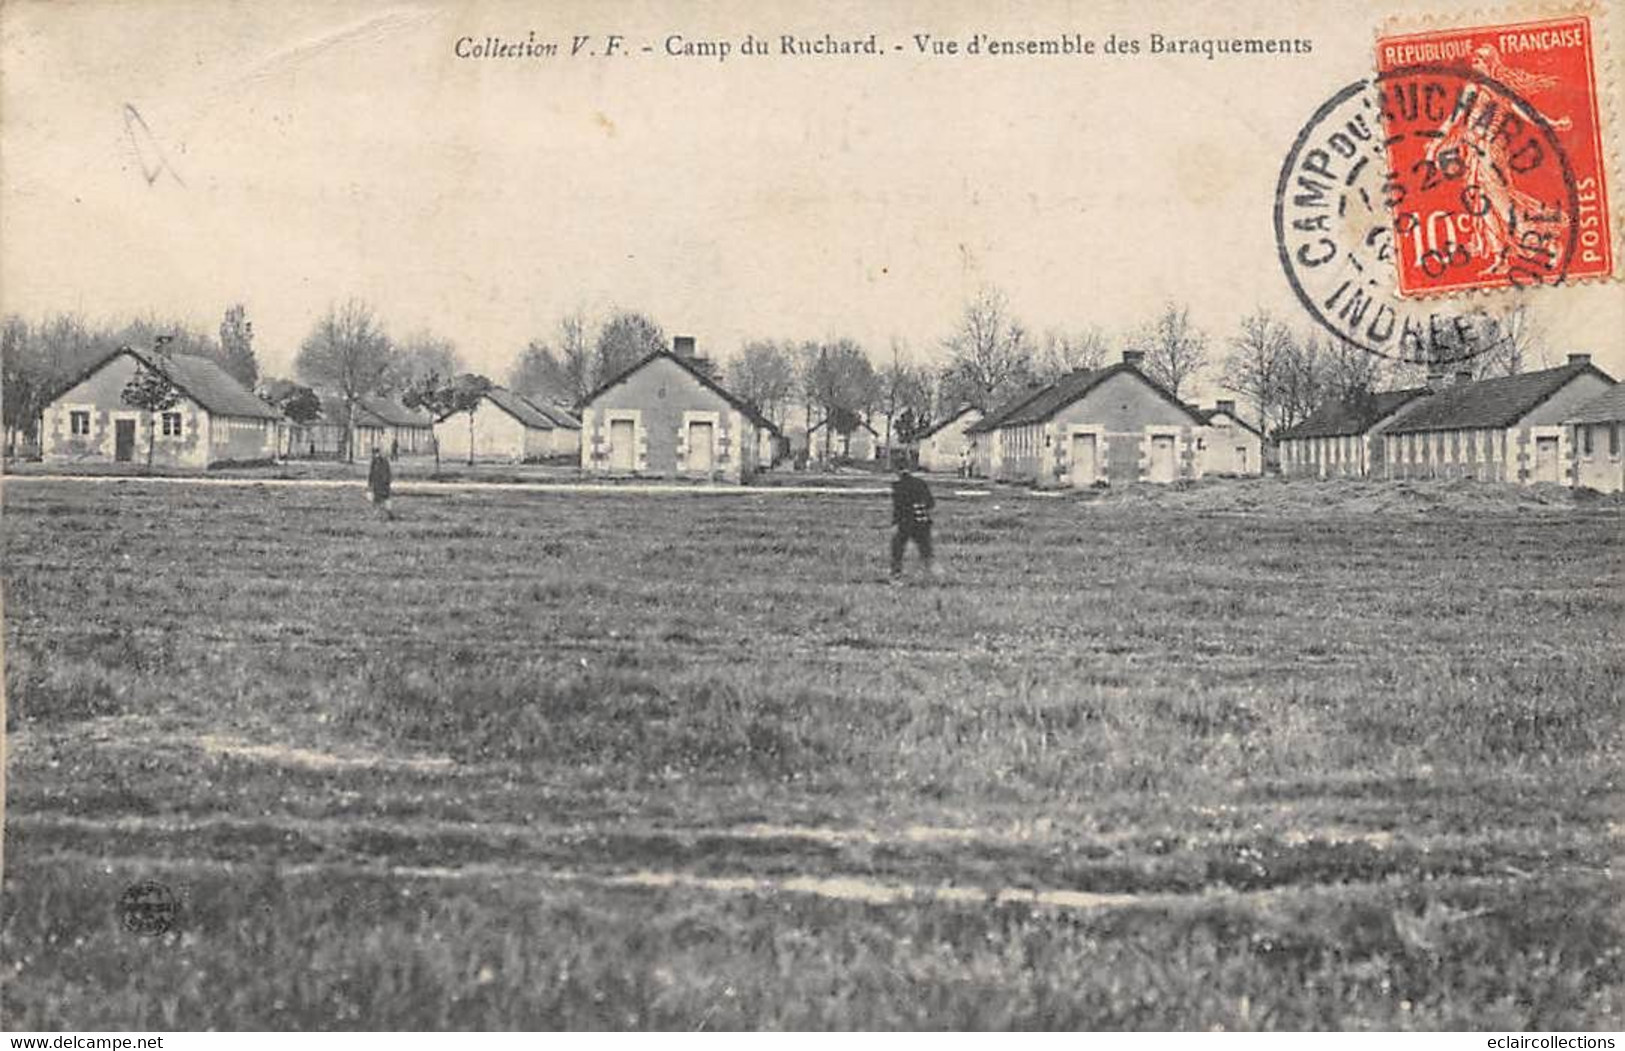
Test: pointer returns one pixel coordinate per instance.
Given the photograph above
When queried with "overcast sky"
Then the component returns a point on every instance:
(327, 151)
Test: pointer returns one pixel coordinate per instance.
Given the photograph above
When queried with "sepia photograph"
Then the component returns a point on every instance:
(725, 516)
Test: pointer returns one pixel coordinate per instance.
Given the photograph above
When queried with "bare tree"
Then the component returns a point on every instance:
(954, 389)
(1062, 352)
(1174, 349)
(1348, 372)
(179, 338)
(420, 355)
(1516, 342)
(562, 370)
(989, 351)
(20, 382)
(764, 374)
(843, 386)
(536, 373)
(1256, 360)
(1299, 386)
(237, 346)
(348, 352)
(37, 360)
(626, 339)
(576, 357)
(805, 358)
(904, 396)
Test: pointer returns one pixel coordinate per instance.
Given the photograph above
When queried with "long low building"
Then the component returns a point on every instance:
(1598, 440)
(374, 422)
(1342, 438)
(945, 447)
(1109, 426)
(215, 419)
(1507, 429)
(509, 427)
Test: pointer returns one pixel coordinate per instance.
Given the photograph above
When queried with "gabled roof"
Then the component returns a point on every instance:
(558, 416)
(1352, 416)
(935, 427)
(334, 412)
(995, 417)
(1208, 414)
(705, 381)
(1498, 402)
(213, 387)
(393, 413)
(1075, 385)
(764, 422)
(519, 408)
(1607, 407)
(861, 423)
(200, 379)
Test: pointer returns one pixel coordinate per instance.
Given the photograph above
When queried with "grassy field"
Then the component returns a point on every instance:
(611, 760)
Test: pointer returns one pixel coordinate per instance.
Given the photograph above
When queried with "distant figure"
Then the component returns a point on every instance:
(911, 504)
(378, 480)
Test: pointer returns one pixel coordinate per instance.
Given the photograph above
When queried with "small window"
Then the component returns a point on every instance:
(79, 423)
(172, 425)
(1585, 441)
(1613, 439)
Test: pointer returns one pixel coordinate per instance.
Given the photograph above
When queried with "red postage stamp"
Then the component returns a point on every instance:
(1500, 183)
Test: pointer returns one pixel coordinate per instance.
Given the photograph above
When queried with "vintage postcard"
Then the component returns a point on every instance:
(749, 516)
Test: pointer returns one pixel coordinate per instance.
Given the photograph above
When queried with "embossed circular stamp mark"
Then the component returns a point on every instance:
(148, 908)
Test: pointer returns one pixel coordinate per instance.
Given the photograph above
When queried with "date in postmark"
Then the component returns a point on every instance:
(1371, 172)
(1485, 209)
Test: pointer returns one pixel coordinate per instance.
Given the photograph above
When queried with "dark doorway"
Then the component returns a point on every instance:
(123, 440)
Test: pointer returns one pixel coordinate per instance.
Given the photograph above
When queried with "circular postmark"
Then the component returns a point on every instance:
(148, 908)
(1422, 180)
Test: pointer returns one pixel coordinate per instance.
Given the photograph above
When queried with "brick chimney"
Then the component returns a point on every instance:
(683, 346)
(1437, 378)
(1579, 359)
(1133, 357)
(1225, 407)
(1464, 376)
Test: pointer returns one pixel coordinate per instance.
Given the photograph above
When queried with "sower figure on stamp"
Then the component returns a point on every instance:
(378, 481)
(911, 504)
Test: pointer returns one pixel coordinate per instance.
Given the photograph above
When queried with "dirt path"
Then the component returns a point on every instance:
(420, 486)
(836, 888)
(309, 759)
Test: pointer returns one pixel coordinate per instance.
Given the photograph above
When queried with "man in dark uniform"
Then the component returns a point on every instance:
(911, 504)
(378, 481)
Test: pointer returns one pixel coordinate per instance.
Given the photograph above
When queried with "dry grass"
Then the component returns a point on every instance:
(1391, 739)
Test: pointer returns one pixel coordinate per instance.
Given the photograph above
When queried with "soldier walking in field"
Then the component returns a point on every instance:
(911, 504)
(378, 482)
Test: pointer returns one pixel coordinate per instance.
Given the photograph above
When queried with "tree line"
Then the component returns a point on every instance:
(38, 359)
(1280, 373)
(986, 358)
